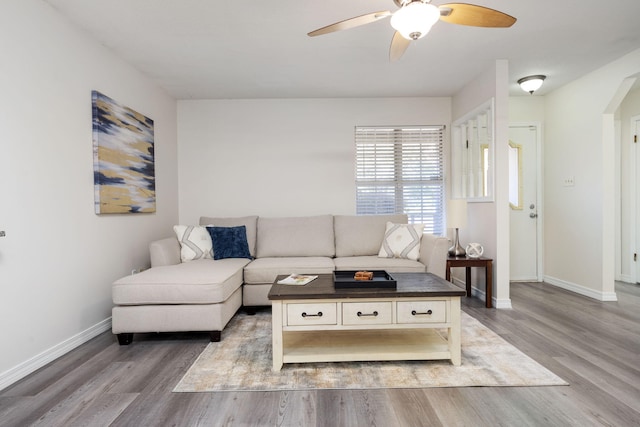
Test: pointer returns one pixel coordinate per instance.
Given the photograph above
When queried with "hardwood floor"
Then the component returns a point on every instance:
(594, 346)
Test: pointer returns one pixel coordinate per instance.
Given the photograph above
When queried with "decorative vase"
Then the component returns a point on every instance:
(456, 250)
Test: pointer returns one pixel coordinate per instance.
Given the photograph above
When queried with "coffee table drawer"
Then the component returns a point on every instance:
(366, 313)
(312, 314)
(422, 311)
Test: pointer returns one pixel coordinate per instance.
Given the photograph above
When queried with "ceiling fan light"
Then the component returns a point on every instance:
(531, 83)
(414, 20)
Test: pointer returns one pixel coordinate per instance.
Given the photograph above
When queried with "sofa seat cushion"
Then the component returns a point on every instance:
(203, 281)
(265, 270)
(391, 265)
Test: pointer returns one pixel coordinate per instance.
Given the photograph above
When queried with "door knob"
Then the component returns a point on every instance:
(533, 215)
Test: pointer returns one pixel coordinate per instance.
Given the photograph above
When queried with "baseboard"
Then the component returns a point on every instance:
(496, 303)
(600, 296)
(626, 278)
(506, 303)
(20, 371)
(502, 303)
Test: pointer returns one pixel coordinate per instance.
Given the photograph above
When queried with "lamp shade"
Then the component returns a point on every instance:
(457, 213)
(414, 20)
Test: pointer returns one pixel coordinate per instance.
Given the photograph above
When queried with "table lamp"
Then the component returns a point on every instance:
(456, 218)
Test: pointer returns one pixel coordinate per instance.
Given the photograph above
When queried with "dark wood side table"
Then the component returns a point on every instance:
(467, 263)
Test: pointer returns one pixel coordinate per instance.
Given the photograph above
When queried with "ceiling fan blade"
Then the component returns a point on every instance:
(351, 23)
(398, 46)
(474, 15)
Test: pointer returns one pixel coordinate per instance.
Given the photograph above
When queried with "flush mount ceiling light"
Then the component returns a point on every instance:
(531, 83)
(414, 20)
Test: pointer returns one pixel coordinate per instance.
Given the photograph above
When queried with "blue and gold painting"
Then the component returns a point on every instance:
(123, 157)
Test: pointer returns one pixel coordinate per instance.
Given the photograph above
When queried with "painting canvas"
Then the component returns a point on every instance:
(123, 154)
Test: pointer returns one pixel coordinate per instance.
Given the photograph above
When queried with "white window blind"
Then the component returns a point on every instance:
(401, 170)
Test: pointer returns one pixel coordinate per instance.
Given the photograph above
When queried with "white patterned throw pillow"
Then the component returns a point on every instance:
(402, 241)
(195, 242)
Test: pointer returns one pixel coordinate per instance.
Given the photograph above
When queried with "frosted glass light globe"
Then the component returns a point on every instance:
(414, 20)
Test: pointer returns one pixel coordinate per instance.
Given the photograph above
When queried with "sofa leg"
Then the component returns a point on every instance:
(125, 339)
(215, 336)
(251, 311)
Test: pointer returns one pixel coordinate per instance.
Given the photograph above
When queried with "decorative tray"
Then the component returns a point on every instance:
(346, 280)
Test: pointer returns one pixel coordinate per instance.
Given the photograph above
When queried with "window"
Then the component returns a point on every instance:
(515, 175)
(401, 170)
(472, 139)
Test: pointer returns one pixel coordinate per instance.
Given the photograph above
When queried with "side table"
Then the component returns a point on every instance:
(466, 262)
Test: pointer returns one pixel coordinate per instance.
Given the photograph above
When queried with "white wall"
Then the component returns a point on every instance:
(580, 220)
(281, 157)
(526, 109)
(58, 259)
(488, 222)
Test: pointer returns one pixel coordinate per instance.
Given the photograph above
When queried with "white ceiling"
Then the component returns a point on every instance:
(206, 49)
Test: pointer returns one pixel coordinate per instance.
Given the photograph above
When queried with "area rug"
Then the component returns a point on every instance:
(242, 361)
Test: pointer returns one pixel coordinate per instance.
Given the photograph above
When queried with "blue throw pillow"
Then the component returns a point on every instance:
(229, 242)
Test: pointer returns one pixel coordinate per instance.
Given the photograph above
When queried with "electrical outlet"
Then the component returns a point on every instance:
(568, 181)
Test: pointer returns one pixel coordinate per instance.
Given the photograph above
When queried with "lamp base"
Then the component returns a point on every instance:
(456, 250)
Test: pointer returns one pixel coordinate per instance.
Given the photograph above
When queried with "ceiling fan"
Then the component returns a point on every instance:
(415, 18)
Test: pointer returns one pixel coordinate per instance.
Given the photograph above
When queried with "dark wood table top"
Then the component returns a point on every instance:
(466, 259)
(408, 285)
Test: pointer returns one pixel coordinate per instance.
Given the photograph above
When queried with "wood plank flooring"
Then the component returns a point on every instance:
(595, 346)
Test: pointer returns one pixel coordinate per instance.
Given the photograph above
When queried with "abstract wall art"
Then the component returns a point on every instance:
(123, 158)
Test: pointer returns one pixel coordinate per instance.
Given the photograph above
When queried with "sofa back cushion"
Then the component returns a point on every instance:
(250, 222)
(361, 235)
(295, 237)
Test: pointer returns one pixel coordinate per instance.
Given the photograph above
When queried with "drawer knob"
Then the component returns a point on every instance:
(428, 313)
(361, 314)
(304, 314)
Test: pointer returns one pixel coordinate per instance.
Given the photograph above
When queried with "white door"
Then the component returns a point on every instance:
(523, 201)
(635, 128)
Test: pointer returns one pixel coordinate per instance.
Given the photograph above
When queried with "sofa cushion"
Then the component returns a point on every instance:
(402, 241)
(296, 237)
(175, 317)
(265, 270)
(202, 281)
(229, 242)
(362, 234)
(249, 222)
(195, 242)
(374, 262)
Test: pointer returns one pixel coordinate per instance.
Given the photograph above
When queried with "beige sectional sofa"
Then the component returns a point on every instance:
(204, 294)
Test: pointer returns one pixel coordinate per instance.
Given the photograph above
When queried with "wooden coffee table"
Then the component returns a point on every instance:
(318, 323)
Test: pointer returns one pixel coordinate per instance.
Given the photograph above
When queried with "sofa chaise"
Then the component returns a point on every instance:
(203, 294)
